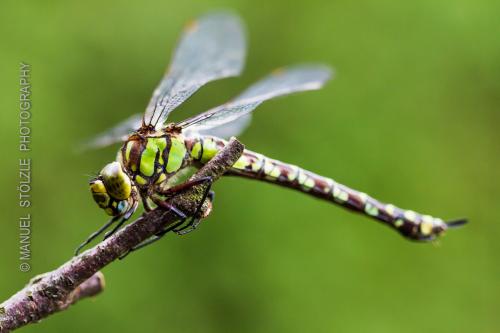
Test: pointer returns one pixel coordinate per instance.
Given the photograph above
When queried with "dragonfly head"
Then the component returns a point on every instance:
(113, 191)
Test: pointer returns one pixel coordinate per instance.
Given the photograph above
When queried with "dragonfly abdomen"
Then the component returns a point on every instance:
(256, 166)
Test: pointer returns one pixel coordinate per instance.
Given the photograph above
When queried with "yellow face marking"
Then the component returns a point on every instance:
(98, 187)
(176, 154)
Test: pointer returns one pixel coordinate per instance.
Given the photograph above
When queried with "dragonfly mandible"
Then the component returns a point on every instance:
(155, 157)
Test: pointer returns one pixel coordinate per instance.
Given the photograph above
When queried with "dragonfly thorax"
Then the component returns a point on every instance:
(145, 161)
(151, 159)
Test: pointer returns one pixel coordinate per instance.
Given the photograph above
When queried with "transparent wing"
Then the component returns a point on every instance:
(211, 48)
(224, 131)
(115, 134)
(279, 83)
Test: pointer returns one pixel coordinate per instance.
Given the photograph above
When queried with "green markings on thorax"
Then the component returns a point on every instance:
(154, 149)
(176, 154)
(150, 160)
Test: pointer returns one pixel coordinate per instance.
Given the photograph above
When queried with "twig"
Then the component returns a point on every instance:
(80, 277)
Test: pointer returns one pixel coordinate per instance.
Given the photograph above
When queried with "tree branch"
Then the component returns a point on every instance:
(80, 277)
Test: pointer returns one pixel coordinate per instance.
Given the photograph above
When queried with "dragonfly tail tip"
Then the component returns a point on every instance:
(456, 223)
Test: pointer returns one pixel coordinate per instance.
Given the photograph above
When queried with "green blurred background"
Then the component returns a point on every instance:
(411, 118)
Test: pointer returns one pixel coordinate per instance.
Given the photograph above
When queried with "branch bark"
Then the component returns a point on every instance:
(80, 277)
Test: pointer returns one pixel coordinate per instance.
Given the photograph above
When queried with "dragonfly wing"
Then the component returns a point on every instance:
(211, 48)
(224, 131)
(279, 83)
(118, 133)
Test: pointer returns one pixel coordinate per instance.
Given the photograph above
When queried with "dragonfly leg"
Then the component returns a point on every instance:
(195, 219)
(97, 233)
(168, 206)
(146, 242)
(145, 203)
(178, 189)
(125, 218)
(162, 233)
(115, 229)
(191, 226)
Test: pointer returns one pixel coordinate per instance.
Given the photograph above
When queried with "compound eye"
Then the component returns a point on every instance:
(99, 193)
(101, 199)
(97, 186)
(117, 183)
(122, 207)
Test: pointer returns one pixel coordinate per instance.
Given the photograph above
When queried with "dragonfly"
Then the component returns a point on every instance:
(157, 157)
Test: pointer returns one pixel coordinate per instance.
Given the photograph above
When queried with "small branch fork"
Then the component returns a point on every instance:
(80, 277)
